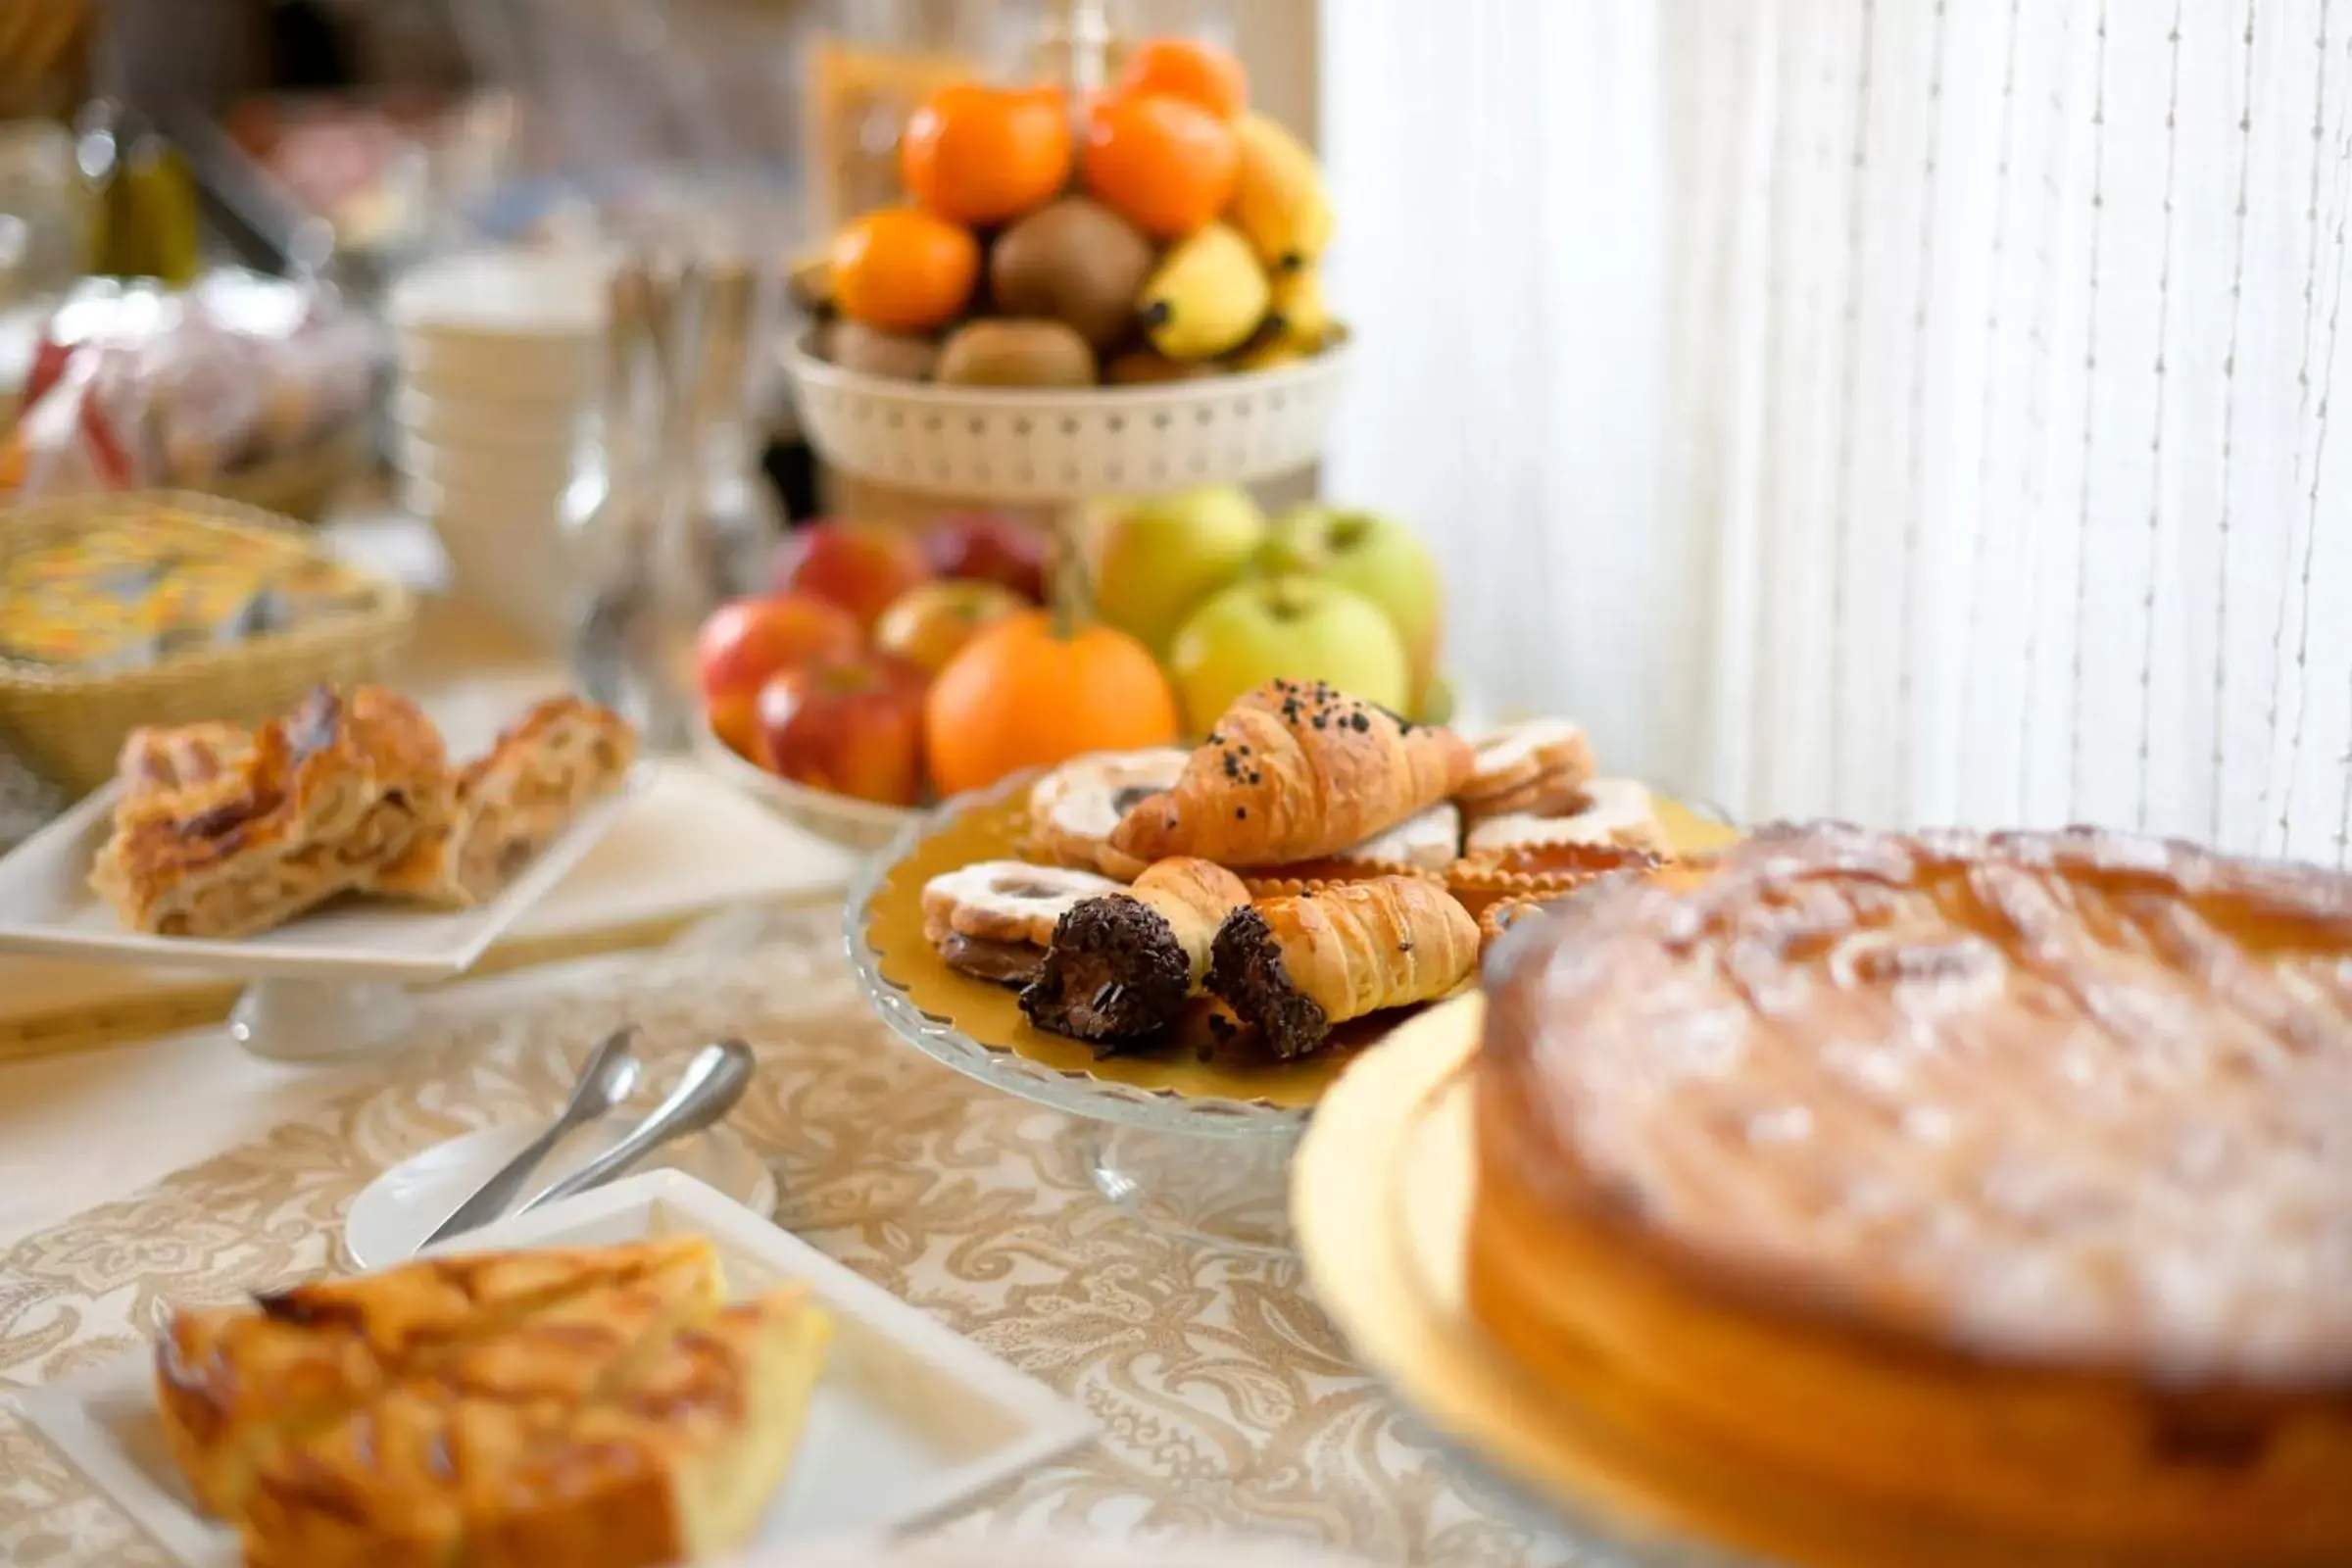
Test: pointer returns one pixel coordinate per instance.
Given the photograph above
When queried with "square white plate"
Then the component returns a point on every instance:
(910, 1420)
(46, 906)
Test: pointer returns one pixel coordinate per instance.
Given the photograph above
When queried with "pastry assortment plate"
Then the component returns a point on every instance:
(46, 906)
(1386, 1258)
(910, 1420)
(978, 1028)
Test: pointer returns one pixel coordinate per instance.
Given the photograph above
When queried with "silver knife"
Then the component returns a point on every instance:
(606, 1079)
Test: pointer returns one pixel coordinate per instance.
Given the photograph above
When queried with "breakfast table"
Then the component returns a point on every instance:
(147, 1161)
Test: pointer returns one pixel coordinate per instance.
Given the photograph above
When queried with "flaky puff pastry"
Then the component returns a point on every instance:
(330, 794)
(1120, 966)
(1295, 966)
(1296, 771)
(503, 809)
(178, 757)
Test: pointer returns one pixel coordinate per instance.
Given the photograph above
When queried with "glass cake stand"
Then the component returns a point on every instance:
(1204, 1166)
(1209, 1167)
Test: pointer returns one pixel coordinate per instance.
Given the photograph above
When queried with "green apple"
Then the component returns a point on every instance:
(1437, 701)
(1306, 628)
(1376, 557)
(1157, 557)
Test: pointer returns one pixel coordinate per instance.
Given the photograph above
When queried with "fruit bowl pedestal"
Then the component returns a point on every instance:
(1215, 1168)
(1054, 448)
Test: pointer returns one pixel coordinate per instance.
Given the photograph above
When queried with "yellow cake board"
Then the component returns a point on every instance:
(990, 1014)
(1381, 1192)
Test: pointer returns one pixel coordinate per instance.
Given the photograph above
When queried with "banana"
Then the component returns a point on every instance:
(1298, 308)
(1298, 323)
(1279, 200)
(1206, 297)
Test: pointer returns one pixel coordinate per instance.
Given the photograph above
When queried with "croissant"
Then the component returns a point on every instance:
(1295, 966)
(1120, 966)
(1296, 771)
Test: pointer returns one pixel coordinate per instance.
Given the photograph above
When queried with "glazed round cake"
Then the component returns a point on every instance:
(2004, 1178)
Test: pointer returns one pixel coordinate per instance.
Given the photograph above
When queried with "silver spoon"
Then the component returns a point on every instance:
(606, 1079)
(713, 1081)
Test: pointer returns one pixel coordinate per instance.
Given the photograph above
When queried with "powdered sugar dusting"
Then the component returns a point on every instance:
(2075, 1097)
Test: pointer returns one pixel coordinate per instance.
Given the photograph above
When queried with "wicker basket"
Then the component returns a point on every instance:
(69, 726)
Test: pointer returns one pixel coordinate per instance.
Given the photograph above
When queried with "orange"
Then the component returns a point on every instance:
(1184, 68)
(902, 269)
(1028, 693)
(984, 155)
(1165, 165)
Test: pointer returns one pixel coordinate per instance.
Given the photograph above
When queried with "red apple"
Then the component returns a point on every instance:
(745, 642)
(860, 566)
(852, 725)
(993, 548)
(929, 624)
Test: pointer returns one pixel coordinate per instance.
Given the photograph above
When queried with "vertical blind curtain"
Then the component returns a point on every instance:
(1905, 410)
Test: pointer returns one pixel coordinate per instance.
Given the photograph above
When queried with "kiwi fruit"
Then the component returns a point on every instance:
(855, 346)
(808, 283)
(1073, 261)
(1147, 367)
(1015, 353)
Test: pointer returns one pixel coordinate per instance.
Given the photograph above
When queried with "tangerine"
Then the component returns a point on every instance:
(1184, 68)
(902, 269)
(984, 155)
(1165, 165)
(1029, 691)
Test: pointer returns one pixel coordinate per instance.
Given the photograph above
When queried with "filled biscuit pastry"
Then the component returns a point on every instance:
(1073, 809)
(1541, 870)
(1607, 811)
(992, 920)
(1536, 768)
(1428, 840)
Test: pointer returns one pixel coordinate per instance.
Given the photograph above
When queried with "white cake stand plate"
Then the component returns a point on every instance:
(333, 983)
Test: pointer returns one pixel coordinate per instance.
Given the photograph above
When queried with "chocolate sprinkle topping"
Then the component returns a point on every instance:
(1114, 974)
(1245, 970)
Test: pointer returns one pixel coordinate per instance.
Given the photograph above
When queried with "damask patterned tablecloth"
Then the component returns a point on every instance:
(1228, 1404)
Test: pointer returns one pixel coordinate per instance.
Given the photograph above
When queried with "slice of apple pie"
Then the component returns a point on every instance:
(598, 1408)
(325, 796)
(236, 1386)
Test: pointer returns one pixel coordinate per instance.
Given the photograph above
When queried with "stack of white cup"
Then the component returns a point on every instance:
(500, 360)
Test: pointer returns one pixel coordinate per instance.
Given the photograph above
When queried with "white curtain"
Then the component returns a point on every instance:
(1906, 409)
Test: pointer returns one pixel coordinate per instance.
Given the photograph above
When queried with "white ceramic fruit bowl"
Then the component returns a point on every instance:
(841, 819)
(1022, 446)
